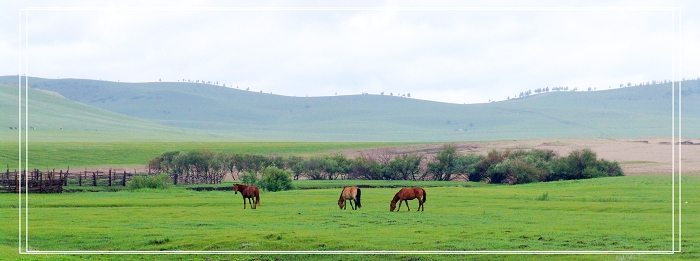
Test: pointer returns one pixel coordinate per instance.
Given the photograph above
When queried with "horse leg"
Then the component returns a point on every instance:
(409, 208)
(399, 208)
(244, 203)
(421, 208)
(254, 204)
(351, 206)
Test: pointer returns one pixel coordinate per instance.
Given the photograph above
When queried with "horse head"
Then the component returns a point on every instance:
(392, 206)
(236, 188)
(341, 203)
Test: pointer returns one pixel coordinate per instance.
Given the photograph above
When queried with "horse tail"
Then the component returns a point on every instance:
(257, 198)
(424, 194)
(357, 198)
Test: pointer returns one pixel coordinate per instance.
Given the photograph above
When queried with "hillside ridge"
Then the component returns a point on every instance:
(624, 112)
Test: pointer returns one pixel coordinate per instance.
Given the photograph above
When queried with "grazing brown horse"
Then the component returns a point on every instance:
(248, 192)
(352, 194)
(406, 194)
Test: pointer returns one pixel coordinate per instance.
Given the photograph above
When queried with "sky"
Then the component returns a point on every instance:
(447, 51)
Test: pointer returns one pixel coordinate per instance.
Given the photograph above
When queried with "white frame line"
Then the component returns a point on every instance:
(592, 252)
(680, 129)
(673, 132)
(19, 127)
(26, 126)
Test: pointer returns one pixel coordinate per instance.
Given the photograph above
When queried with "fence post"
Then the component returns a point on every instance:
(124, 179)
(94, 179)
(110, 177)
(41, 181)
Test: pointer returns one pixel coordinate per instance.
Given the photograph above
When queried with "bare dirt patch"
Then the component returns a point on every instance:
(635, 155)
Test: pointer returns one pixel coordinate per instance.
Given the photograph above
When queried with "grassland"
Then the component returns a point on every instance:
(59, 155)
(121, 127)
(215, 113)
(622, 213)
(57, 119)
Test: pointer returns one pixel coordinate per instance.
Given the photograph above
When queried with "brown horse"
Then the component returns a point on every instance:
(406, 194)
(352, 194)
(248, 192)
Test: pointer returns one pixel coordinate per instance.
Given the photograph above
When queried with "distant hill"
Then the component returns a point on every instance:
(233, 113)
(55, 118)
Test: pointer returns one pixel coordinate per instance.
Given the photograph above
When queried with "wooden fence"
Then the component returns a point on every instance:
(52, 181)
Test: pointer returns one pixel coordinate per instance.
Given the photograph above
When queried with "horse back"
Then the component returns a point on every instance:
(251, 191)
(407, 194)
(348, 193)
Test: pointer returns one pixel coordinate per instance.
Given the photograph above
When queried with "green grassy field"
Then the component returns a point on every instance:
(623, 214)
(60, 155)
(56, 119)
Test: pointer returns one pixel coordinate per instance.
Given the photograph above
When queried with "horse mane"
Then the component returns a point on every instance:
(396, 197)
(341, 194)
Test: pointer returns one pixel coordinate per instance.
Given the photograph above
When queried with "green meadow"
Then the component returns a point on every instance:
(632, 213)
(60, 155)
(105, 124)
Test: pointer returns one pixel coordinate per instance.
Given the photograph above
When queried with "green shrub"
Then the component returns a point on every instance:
(250, 178)
(582, 164)
(365, 168)
(516, 167)
(443, 166)
(275, 179)
(610, 169)
(467, 165)
(160, 181)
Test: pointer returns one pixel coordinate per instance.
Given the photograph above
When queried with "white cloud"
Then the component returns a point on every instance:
(453, 56)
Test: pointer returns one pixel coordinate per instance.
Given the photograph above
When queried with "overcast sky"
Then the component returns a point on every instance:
(491, 52)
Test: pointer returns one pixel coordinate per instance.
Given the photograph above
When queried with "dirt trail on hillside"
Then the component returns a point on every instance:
(635, 155)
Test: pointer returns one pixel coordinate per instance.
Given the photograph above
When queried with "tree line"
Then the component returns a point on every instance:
(505, 167)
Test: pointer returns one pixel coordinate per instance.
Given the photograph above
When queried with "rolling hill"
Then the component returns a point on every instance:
(54, 118)
(236, 114)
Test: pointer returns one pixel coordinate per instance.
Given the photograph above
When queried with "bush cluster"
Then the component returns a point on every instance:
(274, 179)
(273, 171)
(160, 181)
(521, 166)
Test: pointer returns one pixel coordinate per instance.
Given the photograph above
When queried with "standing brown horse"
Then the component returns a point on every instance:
(248, 192)
(352, 194)
(406, 194)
